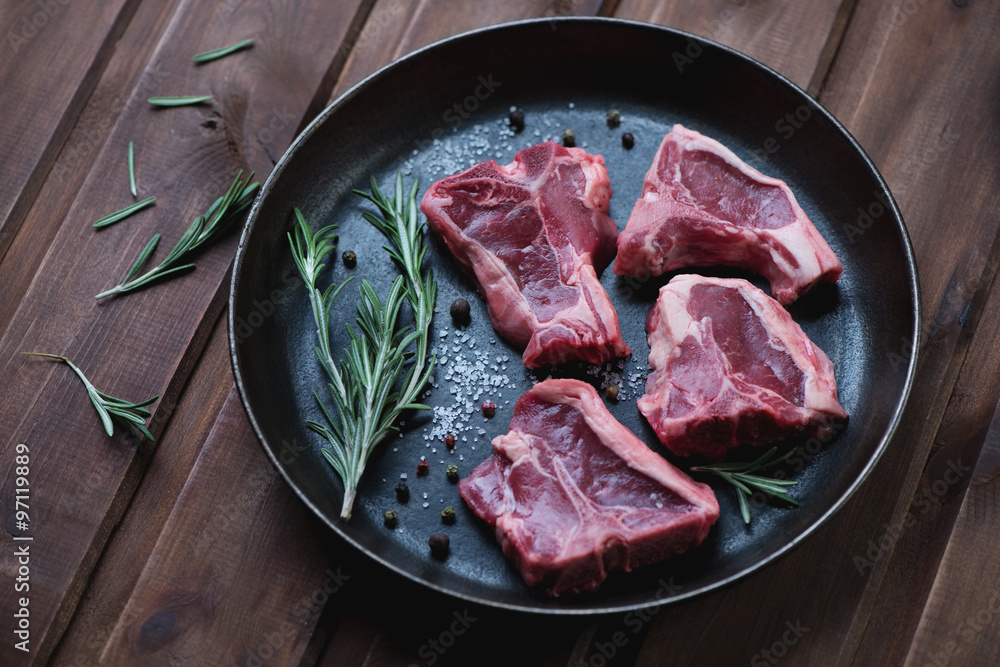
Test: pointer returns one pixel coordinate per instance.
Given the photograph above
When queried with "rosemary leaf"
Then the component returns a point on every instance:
(178, 101)
(363, 386)
(109, 409)
(117, 216)
(741, 477)
(203, 230)
(215, 54)
(131, 168)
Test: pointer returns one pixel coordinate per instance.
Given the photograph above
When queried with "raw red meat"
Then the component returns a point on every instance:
(730, 367)
(534, 235)
(573, 494)
(701, 205)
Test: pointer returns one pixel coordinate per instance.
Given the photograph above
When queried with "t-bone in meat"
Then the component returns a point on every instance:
(535, 234)
(573, 494)
(730, 367)
(701, 205)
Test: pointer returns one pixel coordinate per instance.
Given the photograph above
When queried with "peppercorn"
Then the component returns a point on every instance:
(449, 441)
(439, 543)
(402, 492)
(461, 312)
(628, 141)
(452, 472)
(612, 392)
(614, 118)
(489, 408)
(350, 259)
(390, 518)
(569, 138)
(448, 515)
(516, 120)
(423, 468)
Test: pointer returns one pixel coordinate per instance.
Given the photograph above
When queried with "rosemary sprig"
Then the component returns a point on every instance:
(215, 54)
(132, 416)
(178, 101)
(117, 216)
(203, 230)
(365, 405)
(741, 477)
(131, 168)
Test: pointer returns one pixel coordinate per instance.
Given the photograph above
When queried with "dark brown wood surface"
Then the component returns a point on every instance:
(194, 551)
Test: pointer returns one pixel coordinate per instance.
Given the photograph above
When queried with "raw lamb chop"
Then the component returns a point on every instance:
(534, 235)
(730, 367)
(573, 494)
(701, 205)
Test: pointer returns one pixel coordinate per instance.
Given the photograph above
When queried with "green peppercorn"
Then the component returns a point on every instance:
(628, 141)
(452, 472)
(350, 259)
(569, 138)
(390, 518)
(614, 118)
(448, 515)
(612, 392)
(439, 543)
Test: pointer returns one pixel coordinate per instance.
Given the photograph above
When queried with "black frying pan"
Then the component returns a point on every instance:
(444, 108)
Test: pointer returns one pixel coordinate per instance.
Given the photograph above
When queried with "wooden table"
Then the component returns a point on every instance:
(194, 551)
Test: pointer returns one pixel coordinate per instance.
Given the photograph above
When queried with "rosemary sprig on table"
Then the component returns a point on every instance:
(131, 168)
(131, 415)
(117, 216)
(178, 101)
(203, 230)
(365, 404)
(215, 54)
(741, 476)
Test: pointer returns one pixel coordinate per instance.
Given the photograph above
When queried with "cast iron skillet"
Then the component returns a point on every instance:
(444, 108)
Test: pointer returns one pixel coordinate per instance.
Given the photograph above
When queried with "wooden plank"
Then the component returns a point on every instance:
(396, 27)
(51, 67)
(797, 38)
(72, 165)
(145, 343)
(133, 541)
(237, 574)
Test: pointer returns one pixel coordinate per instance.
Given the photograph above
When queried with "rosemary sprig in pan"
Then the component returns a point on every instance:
(363, 385)
(203, 230)
(132, 416)
(215, 54)
(741, 476)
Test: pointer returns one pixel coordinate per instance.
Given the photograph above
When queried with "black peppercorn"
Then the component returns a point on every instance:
(628, 141)
(390, 518)
(438, 543)
(614, 118)
(402, 492)
(569, 138)
(461, 312)
(452, 472)
(516, 120)
(448, 515)
(350, 259)
(423, 468)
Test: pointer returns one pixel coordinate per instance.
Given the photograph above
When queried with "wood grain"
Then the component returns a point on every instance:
(794, 38)
(53, 66)
(191, 154)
